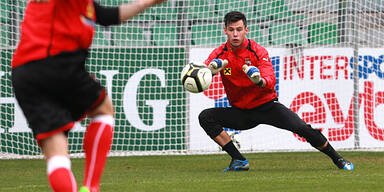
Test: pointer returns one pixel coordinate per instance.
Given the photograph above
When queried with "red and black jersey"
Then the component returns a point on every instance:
(54, 27)
(240, 90)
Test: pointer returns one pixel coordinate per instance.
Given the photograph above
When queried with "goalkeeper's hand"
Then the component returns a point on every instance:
(253, 74)
(217, 65)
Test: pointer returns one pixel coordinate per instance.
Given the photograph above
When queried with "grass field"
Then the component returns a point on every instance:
(299, 171)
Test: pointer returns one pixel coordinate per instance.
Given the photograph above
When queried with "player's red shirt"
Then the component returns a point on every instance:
(241, 91)
(53, 27)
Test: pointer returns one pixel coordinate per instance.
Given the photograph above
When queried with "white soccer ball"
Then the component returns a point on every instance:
(235, 137)
(196, 77)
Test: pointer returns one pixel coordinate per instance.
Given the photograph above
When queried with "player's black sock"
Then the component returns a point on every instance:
(232, 151)
(328, 150)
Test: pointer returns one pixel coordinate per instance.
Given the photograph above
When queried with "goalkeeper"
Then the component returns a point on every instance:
(249, 80)
(54, 89)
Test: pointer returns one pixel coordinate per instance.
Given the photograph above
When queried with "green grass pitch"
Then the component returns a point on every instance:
(291, 171)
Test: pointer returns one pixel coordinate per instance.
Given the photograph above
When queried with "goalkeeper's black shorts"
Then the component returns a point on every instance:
(56, 91)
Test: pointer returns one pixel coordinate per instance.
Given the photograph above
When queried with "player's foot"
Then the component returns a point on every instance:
(84, 189)
(344, 164)
(238, 165)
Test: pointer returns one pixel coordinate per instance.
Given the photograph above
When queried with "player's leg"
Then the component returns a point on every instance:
(85, 96)
(214, 119)
(47, 119)
(97, 143)
(60, 176)
(238, 161)
(282, 117)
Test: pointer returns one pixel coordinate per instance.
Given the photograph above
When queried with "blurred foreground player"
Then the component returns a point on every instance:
(54, 89)
(249, 80)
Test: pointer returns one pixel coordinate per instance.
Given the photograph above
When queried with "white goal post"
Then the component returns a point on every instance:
(327, 54)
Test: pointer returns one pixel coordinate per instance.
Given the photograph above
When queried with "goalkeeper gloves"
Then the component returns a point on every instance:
(253, 74)
(217, 65)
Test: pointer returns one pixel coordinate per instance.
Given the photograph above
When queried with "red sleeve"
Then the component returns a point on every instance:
(214, 54)
(266, 68)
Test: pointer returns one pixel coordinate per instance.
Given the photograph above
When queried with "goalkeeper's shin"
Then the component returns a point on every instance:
(217, 65)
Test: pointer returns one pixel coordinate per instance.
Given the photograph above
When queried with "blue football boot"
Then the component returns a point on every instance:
(344, 164)
(238, 165)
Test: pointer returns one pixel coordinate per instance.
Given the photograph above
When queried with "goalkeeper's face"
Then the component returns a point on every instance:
(236, 33)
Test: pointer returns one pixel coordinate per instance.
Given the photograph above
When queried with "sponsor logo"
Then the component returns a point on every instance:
(90, 10)
(227, 71)
(248, 61)
(129, 102)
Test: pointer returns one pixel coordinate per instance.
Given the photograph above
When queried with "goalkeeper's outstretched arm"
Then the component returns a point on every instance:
(216, 65)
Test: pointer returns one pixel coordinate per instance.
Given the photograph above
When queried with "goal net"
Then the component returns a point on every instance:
(327, 56)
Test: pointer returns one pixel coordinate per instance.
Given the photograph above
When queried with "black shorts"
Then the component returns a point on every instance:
(56, 91)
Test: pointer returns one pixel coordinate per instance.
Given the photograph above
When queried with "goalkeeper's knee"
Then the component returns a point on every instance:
(209, 124)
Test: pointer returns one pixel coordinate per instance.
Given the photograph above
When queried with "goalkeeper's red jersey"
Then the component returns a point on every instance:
(240, 90)
(53, 27)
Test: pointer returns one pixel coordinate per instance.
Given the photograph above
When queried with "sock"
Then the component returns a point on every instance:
(232, 151)
(328, 150)
(97, 143)
(60, 176)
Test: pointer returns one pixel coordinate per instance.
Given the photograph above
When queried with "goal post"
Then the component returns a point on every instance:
(327, 55)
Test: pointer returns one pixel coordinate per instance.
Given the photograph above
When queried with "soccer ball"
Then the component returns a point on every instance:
(235, 139)
(196, 77)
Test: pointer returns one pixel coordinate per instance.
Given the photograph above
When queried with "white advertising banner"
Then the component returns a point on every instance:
(317, 84)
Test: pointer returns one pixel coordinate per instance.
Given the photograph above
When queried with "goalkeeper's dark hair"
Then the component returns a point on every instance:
(234, 16)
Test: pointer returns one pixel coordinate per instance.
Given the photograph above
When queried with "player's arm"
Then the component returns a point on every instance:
(106, 15)
(266, 70)
(128, 10)
(115, 15)
(214, 63)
